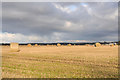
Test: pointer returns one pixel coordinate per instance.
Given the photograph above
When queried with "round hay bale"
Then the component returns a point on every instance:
(69, 44)
(29, 45)
(48, 45)
(58, 44)
(87, 45)
(111, 44)
(52, 45)
(97, 44)
(115, 44)
(36, 45)
(14, 47)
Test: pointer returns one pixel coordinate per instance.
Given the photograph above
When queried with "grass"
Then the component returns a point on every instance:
(60, 62)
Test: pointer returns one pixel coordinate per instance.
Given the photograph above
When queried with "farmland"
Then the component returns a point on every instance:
(60, 62)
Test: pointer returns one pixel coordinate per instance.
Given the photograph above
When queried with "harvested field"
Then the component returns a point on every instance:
(60, 62)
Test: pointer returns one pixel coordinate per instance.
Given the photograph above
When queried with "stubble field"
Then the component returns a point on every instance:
(60, 62)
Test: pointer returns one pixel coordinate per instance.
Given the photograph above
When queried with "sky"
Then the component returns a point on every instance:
(59, 21)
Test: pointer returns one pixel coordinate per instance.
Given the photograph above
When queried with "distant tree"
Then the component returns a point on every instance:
(118, 42)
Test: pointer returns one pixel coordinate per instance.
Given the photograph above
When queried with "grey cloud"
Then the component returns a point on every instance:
(44, 19)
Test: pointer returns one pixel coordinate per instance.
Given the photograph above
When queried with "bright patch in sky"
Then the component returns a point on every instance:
(67, 9)
(89, 10)
(68, 24)
(84, 4)
(72, 8)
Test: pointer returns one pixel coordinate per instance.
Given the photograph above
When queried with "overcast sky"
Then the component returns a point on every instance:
(48, 21)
